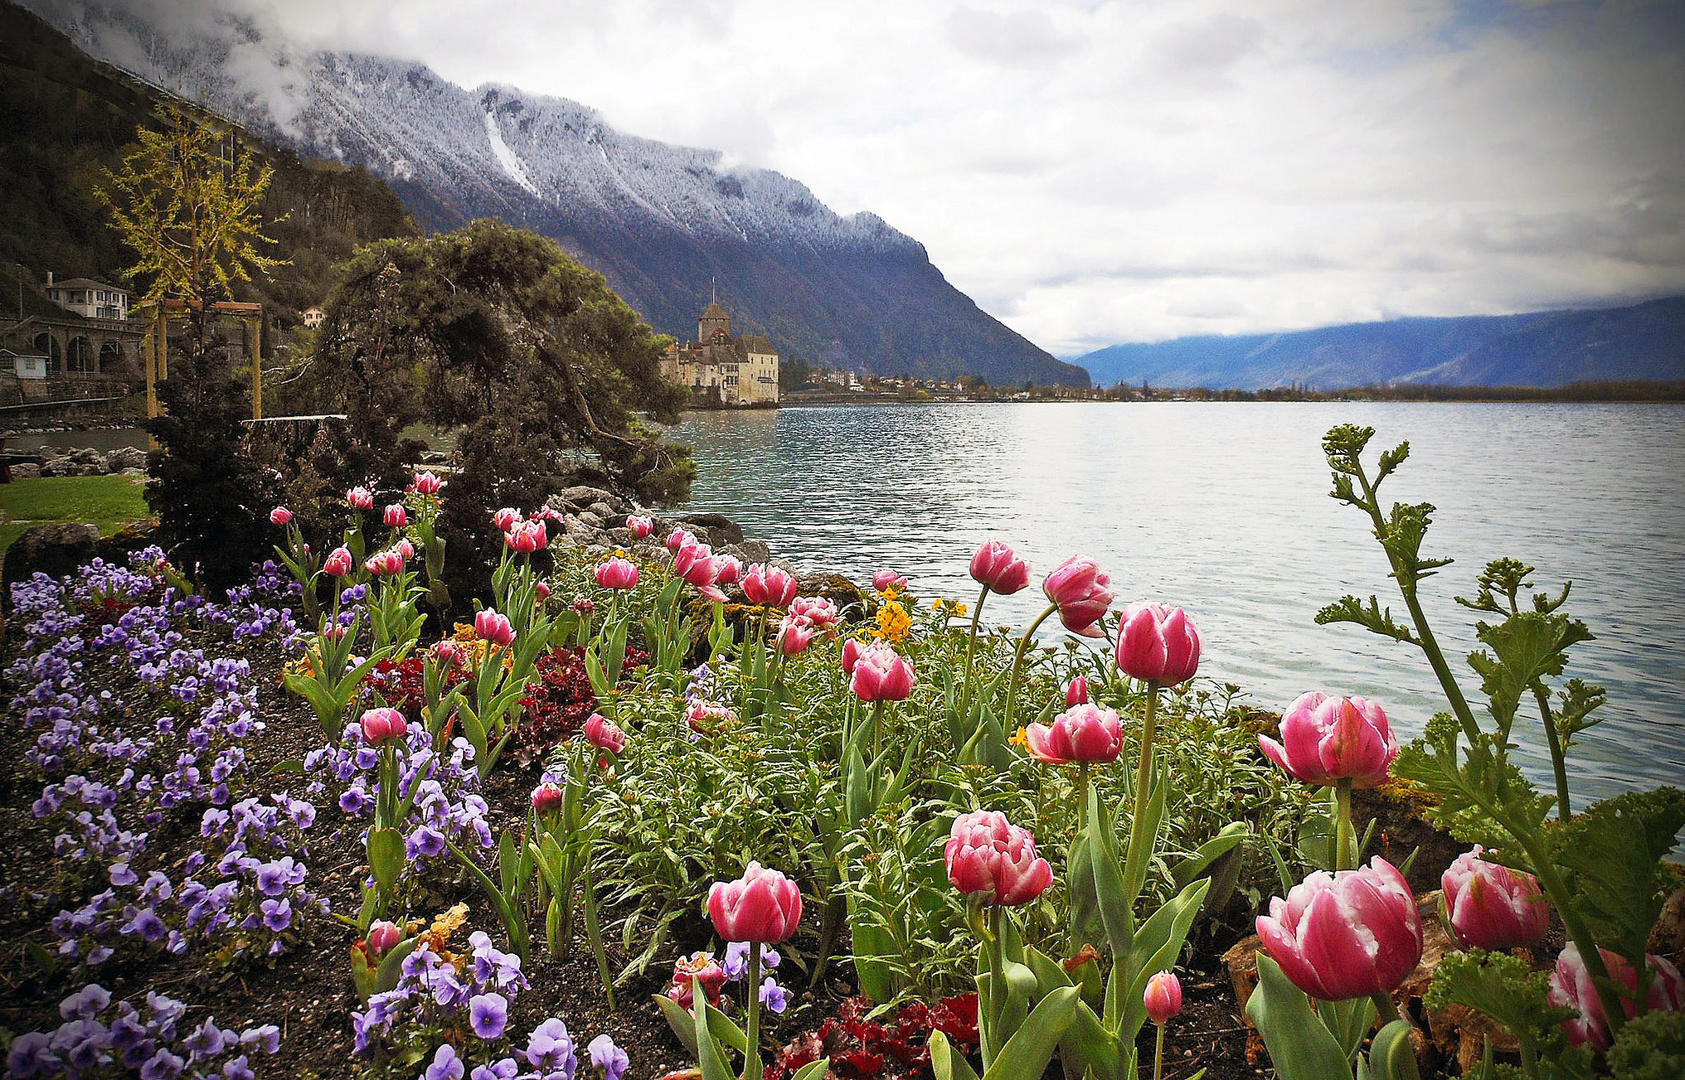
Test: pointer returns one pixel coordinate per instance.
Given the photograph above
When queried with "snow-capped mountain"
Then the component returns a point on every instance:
(664, 223)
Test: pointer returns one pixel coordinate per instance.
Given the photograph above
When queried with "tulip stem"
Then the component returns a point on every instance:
(970, 647)
(877, 731)
(1345, 835)
(1158, 1056)
(1018, 666)
(1144, 774)
(997, 984)
(752, 1036)
(1082, 800)
(1386, 1010)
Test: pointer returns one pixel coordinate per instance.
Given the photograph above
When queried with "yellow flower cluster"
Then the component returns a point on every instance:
(953, 609)
(438, 936)
(893, 623)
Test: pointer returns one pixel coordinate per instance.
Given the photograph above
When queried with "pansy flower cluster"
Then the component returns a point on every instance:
(705, 694)
(99, 1039)
(459, 1004)
(446, 805)
(712, 974)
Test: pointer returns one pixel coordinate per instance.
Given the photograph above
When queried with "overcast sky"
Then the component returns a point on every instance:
(1092, 173)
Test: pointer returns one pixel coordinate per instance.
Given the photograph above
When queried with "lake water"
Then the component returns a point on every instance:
(1222, 508)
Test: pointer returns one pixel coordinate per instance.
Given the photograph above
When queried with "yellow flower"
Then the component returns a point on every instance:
(1021, 739)
(893, 623)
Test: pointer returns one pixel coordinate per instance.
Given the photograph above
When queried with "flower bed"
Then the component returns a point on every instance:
(652, 806)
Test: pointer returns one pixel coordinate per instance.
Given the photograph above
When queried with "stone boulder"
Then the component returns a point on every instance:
(124, 458)
(25, 470)
(55, 550)
(715, 530)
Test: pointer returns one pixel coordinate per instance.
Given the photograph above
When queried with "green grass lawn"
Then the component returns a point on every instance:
(110, 502)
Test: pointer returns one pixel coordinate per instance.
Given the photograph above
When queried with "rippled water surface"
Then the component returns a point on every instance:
(1223, 509)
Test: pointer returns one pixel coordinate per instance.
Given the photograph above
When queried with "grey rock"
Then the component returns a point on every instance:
(26, 470)
(602, 509)
(125, 457)
(56, 550)
(750, 551)
(587, 517)
(131, 472)
(721, 530)
(582, 496)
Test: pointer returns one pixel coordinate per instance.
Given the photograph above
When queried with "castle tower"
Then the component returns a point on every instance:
(713, 320)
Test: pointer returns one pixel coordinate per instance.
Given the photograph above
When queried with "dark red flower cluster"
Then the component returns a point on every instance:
(862, 1049)
(558, 701)
(400, 685)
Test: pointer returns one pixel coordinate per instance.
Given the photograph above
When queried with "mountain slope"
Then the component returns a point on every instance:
(1549, 348)
(663, 223)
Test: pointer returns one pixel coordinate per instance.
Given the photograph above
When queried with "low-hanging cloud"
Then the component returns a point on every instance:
(1125, 170)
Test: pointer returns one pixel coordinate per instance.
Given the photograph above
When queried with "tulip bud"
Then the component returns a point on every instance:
(395, 516)
(769, 586)
(762, 906)
(1076, 691)
(383, 725)
(1327, 739)
(281, 516)
(1079, 588)
(526, 537)
(794, 634)
(818, 611)
(1349, 934)
(1571, 987)
(339, 562)
(1157, 644)
(996, 566)
(450, 653)
(1081, 733)
(541, 591)
(852, 650)
(1489, 906)
(1163, 997)
(360, 498)
(506, 518)
(493, 627)
(640, 526)
(728, 569)
(989, 856)
(547, 799)
(405, 549)
(678, 538)
(602, 734)
(383, 937)
(425, 483)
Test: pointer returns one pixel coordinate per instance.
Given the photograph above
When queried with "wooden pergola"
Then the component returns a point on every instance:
(156, 345)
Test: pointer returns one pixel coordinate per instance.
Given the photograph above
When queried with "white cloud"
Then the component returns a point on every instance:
(1139, 169)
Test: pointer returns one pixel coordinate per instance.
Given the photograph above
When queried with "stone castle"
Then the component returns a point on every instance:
(740, 370)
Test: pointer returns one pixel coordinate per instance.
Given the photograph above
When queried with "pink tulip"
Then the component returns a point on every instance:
(384, 563)
(1163, 998)
(1085, 732)
(728, 569)
(852, 650)
(1079, 588)
(1571, 987)
(506, 518)
(1076, 691)
(425, 483)
(602, 734)
(339, 562)
(384, 936)
(701, 969)
(996, 566)
(640, 526)
(618, 574)
(1325, 739)
(1350, 934)
(695, 563)
(794, 634)
(762, 906)
(281, 516)
(450, 653)
(526, 537)
(881, 674)
(817, 610)
(1491, 906)
(991, 857)
(395, 516)
(541, 590)
(885, 580)
(679, 538)
(360, 498)
(493, 627)
(1157, 644)
(383, 725)
(548, 799)
(405, 549)
(769, 586)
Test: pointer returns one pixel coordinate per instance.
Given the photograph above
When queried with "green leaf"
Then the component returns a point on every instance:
(946, 1062)
(1210, 851)
(1502, 987)
(708, 1054)
(814, 1070)
(386, 856)
(1391, 1056)
(1300, 1045)
(1372, 618)
(1615, 851)
(1031, 1047)
(1087, 1048)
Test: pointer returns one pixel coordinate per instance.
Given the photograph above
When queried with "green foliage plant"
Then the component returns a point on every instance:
(1602, 869)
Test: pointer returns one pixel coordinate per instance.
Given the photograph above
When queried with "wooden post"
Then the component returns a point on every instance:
(256, 325)
(153, 334)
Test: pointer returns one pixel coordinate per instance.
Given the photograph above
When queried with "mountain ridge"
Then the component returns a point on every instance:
(1644, 341)
(664, 223)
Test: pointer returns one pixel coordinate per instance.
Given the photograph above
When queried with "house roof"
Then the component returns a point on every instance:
(715, 311)
(755, 343)
(85, 283)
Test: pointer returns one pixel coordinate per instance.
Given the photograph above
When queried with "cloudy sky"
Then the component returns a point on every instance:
(1136, 170)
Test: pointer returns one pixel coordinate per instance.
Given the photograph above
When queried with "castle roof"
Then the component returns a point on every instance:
(715, 311)
(755, 343)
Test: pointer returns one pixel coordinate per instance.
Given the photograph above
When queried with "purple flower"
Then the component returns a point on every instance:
(122, 875)
(426, 840)
(550, 1049)
(31, 1056)
(501, 1069)
(488, 1015)
(446, 1065)
(266, 1037)
(773, 996)
(162, 1066)
(85, 1003)
(277, 914)
(608, 1057)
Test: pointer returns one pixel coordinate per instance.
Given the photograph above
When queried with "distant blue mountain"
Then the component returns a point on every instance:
(1547, 348)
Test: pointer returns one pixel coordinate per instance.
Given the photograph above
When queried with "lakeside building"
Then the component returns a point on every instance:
(94, 336)
(735, 370)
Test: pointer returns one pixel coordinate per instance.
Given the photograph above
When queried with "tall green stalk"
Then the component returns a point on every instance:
(970, 648)
(1018, 664)
(1144, 769)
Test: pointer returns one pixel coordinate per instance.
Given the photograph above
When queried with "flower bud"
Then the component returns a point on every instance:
(640, 526)
(1076, 691)
(617, 574)
(383, 725)
(1086, 732)
(360, 498)
(1163, 997)
(384, 936)
(395, 516)
(1349, 934)
(996, 566)
(1489, 906)
(602, 734)
(281, 516)
(1079, 588)
(425, 483)
(762, 906)
(493, 627)
(1157, 644)
(339, 562)
(1326, 739)
(547, 799)
(989, 856)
